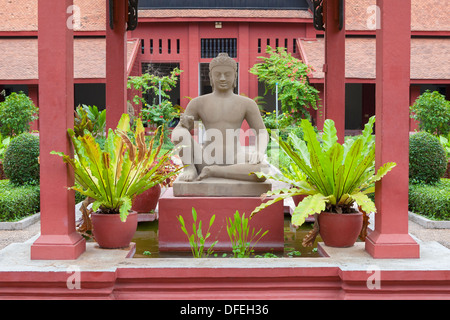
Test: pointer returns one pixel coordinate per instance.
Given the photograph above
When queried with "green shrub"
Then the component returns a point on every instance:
(427, 159)
(16, 114)
(21, 163)
(433, 113)
(17, 202)
(432, 201)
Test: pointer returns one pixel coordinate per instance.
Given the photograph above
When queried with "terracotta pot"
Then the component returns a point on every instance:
(298, 199)
(340, 230)
(110, 232)
(146, 202)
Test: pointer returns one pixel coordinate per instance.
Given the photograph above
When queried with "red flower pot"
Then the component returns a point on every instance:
(340, 230)
(298, 199)
(147, 201)
(110, 232)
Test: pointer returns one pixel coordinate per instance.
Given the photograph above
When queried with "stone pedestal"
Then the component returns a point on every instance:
(218, 187)
(172, 238)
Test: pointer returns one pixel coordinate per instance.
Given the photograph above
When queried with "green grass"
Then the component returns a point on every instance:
(17, 202)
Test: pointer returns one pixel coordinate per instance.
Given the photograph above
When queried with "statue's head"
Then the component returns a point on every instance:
(223, 72)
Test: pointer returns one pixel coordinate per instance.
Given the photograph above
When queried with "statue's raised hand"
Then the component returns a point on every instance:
(187, 121)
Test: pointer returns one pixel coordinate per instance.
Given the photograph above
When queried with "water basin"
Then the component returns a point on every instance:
(146, 239)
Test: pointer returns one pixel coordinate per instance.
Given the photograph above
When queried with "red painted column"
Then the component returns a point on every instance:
(390, 239)
(193, 48)
(116, 63)
(244, 59)
(334, 67)
(59, 239)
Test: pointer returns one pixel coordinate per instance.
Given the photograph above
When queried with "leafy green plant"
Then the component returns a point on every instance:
(197, 240)
(432, 111)
(16, 114)
(160, 114)
(445, 142)
(291, 75)
(149, 83)
(291, 252)
(332, 176)
(271, 121)
(4, 143)
(91, 119)
(242, 241)
(427, 158)
(266, 255)
(21, 160)
(115, 175)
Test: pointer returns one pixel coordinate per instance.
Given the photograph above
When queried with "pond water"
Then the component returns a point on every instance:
(146, 239)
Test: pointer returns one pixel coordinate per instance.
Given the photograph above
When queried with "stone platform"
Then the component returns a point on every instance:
(218, 187)
(172, 238)
(342, 273)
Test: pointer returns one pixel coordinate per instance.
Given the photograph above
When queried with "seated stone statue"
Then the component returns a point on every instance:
(222, 113)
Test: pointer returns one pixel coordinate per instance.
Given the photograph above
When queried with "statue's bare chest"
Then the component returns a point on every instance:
(226, 111)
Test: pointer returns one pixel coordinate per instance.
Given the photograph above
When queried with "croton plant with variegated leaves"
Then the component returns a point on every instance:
(333, 176)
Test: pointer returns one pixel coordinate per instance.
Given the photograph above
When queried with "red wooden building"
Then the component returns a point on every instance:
(60, 66)
(189, 35)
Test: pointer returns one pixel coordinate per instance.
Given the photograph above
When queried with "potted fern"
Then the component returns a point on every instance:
(114, 176)
(336, 180)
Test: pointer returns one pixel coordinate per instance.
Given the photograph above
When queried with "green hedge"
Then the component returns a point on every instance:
(17, 202)
(432, 201)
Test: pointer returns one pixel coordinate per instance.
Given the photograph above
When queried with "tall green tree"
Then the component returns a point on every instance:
(296, 95)
(432, 111)
(16, 114)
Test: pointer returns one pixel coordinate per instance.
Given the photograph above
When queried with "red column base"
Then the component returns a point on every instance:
(392, 246)
(58, 247)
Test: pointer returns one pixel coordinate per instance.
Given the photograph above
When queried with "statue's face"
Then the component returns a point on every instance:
(223, 78)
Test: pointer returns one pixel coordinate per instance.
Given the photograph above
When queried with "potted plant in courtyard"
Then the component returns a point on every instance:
(335, 178)
(114, 176)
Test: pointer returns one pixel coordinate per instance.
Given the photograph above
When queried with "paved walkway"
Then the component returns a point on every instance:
(439, 235)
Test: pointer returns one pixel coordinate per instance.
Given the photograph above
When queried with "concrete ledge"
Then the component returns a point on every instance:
(347, 273)
(427, 223)
(20, 225)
